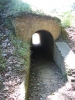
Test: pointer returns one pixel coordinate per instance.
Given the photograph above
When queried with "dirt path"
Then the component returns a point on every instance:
(47, 83)
(45, 79)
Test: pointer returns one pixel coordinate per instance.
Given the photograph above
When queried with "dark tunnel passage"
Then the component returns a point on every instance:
(45, 76)
(42, 44)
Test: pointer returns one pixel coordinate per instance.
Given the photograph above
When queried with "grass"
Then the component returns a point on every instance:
(22, 50)
(17, 6)
(2, 61)
(67, 19)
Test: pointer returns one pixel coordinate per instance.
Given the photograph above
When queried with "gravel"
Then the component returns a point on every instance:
(45, 79)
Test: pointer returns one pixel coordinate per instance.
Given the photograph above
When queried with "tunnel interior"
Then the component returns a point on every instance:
(45, 76)
(42, 44)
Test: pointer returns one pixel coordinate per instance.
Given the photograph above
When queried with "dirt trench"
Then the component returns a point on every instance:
(45, 78)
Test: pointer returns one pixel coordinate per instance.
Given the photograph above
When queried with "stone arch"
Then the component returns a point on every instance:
(46, 46)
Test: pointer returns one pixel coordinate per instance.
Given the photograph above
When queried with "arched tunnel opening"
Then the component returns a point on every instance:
(45, 76)
(42, 44)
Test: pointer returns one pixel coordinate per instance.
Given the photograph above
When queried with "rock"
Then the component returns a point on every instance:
(18, 81)
(73, 75)
(9, 83)
(7, 40)
(9, 68)
(4, 55)
(11, 98)
(4, 45)
(73, 72)
(41, 98)
(9, 44)
(7, 75)
(73, 85)
(43, 95)
(1, 86)
(2, 98)
(1, 78)
(38, 84)
(73, 80)
(6, 88)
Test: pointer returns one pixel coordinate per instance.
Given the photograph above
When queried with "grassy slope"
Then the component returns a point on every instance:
(22, 49)
(17, 6)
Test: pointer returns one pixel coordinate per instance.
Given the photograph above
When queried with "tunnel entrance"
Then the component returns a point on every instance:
(45, 77)
(42, 44)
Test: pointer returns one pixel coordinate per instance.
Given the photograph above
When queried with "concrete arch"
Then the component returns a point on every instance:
(46, 45)
(28, 24)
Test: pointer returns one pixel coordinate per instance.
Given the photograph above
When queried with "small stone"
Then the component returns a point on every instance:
(73, 72)
(73, 75)
(7, 75)
(38, 84)
(73, 86)
(18, 81)
(1, 87)
(9, 83)
(73, 80)
(9, 68)
(1, 77)
(4, 55)
(9, 44)
(4, 45)
(7, 40)
(41, 98)
(11, 99)
(6, 88)
(5, 96)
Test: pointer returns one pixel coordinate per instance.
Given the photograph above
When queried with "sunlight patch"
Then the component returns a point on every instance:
(36, 39)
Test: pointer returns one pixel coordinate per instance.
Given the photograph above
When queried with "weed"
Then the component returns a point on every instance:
(2, 61)
(22, 49)
(17, 6)
(67, 19)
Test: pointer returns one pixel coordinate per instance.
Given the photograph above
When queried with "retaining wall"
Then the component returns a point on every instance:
(65, 59)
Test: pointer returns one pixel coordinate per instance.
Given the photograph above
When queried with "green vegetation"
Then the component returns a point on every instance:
(22, 50)
(67, 19)
(2, 61)
(13, 7)
(17, 6)
(3, 4)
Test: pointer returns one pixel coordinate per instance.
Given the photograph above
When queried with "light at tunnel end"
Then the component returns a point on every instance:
(36, 39)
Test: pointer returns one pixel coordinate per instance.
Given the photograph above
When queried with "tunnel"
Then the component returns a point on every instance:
(45, 76)
(42, 44)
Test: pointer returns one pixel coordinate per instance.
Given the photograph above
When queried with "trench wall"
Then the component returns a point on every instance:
(65, 59)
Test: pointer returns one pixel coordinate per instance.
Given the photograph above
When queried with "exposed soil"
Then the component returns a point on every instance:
(12, 78)
(71, 36)
(45, 79)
